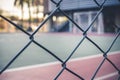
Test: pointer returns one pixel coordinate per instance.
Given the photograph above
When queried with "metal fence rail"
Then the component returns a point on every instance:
(85, 36)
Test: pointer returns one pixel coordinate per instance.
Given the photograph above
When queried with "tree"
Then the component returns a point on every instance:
(21, 3)
(36, 4)
(28, 3)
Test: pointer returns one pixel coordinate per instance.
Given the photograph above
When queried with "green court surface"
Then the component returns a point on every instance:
(62, 44)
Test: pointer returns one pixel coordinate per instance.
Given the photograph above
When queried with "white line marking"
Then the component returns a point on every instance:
(33, 66)
(107, 76)
(57, 62)
(94, 56)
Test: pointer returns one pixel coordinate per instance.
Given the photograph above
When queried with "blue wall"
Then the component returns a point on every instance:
(81, 4)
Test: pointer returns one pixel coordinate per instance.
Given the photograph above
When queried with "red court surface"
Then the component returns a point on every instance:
(85, 67)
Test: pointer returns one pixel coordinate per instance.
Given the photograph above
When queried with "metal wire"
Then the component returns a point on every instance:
(85, 36)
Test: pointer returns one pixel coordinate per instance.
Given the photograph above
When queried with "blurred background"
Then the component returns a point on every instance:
(29, 14)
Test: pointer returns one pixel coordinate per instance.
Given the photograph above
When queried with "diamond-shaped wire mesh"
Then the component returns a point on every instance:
(85, 37)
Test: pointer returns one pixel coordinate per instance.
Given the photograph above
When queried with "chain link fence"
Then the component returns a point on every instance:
(85, 36)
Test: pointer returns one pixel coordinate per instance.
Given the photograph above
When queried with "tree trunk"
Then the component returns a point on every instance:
(29, 28)
(22, 12)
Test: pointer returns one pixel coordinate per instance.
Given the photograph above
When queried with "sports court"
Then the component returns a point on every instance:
(37, 64)
(60, 56)
(48, 71)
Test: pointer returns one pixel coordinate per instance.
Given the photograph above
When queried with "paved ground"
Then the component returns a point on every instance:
(85, 67)
(62, 44)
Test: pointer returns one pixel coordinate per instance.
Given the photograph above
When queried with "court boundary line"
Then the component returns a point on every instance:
(106, 76)
(57, 62)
